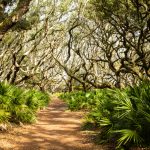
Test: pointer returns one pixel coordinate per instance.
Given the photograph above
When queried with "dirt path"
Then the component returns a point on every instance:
(56, 129)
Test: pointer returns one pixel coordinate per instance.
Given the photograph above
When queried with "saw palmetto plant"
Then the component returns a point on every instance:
(19, 105)
(123, 115)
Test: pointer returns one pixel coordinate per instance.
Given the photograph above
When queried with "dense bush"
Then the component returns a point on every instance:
(122, 115)
(20, 105)
(79, 100)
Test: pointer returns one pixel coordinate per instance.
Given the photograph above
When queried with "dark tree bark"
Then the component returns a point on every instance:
(9, 21)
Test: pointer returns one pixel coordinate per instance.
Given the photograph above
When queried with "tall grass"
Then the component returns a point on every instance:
(20, 105)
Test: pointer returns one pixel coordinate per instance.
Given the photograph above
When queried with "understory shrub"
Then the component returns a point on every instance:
(123, 115)
(20, 105)
(78, 100)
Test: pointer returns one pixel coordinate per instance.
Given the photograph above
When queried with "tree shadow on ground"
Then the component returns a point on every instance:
(56, 129)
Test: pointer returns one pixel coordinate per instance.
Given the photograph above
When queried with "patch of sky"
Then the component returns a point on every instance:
(9, 8)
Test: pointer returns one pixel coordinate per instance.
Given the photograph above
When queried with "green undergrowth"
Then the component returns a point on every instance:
(20, 105)
(79, 100)
(122, 115)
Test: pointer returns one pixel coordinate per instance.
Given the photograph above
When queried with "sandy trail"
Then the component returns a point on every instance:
(56, 129)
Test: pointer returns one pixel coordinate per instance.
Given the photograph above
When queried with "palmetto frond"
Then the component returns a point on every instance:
(127, 135)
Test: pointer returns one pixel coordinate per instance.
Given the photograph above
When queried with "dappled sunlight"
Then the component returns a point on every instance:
(56, 129)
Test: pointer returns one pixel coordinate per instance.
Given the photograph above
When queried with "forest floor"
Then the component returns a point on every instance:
(56, 129)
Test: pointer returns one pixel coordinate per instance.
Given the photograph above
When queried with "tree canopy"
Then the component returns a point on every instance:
(67, 45)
